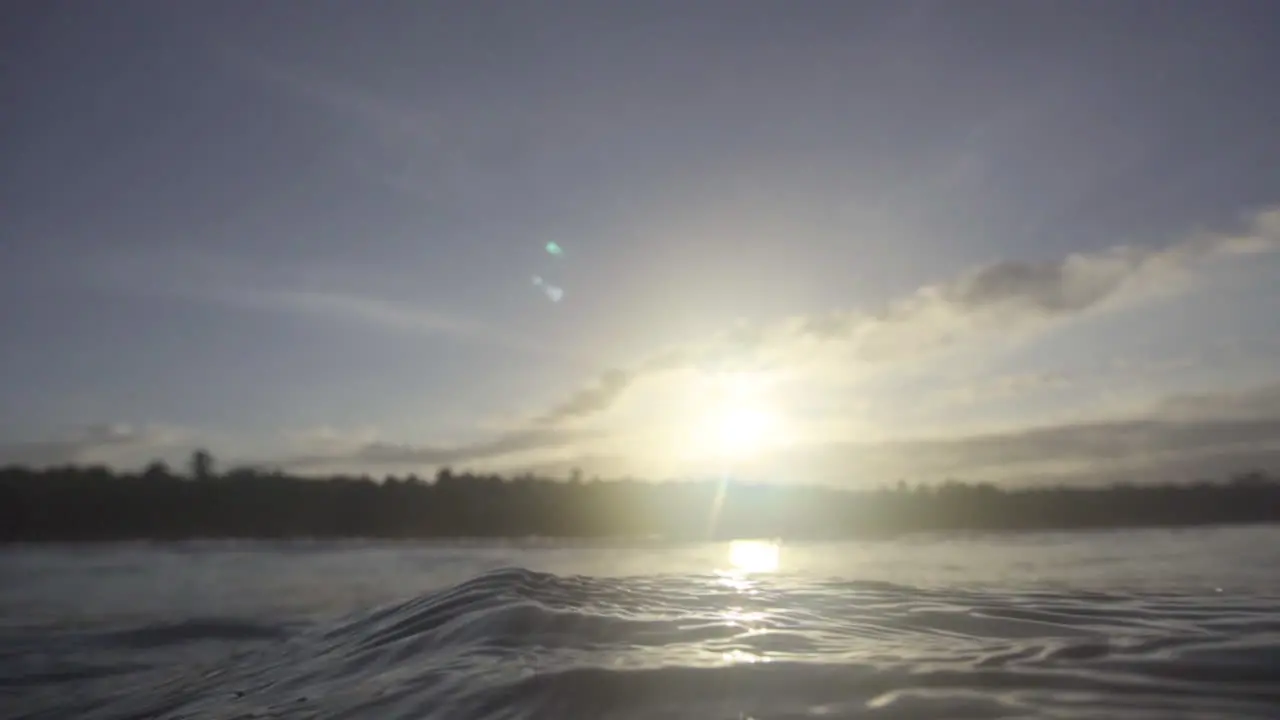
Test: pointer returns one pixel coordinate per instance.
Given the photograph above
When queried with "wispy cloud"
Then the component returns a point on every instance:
(411, 148)
(1007, 386)
(1256, 404)
(391, 121)
(999, 299)
(308, 290)
(106, 443)
(1179, 438)
(1137, 450)
(377, 312)
(1007, 296)
(590, 400)
(384, 454)
(1002, 297)
(386, 314)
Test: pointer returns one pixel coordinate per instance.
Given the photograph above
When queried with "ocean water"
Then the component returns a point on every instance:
(1148, 624)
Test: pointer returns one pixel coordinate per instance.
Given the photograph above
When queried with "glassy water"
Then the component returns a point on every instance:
(1150, 624)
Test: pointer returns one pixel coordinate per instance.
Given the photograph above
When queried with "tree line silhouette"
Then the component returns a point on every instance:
(91, 503)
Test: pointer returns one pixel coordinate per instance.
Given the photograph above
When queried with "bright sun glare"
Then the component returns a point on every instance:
(737, 423)
(739, 431)
(753, 555)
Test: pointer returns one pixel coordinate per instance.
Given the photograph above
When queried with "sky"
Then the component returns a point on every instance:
(836, 242)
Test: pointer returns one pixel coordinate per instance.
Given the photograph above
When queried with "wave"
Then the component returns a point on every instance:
(517, 644)
(194, 630)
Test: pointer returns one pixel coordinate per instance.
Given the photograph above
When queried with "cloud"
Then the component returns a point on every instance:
(105, 443)
(378, 312)
(1088, 448)
(1005, 296)
(412, 148)
(392, 121)
(311, 290)
(1182, 438)
(1185, 437)
(1007, 386)
(1258, 404)
(384, 454)
(1179, 437)
(390, 315)
(592, 399)
(1019, 293)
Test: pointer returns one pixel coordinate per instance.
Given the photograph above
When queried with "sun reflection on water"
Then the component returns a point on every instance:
(742, 657)
(747, 558)
(753, 556)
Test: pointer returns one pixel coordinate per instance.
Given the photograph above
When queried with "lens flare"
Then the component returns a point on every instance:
(554, 292)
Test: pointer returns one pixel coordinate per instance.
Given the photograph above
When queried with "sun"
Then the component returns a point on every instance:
(736, 419)
(740, 431)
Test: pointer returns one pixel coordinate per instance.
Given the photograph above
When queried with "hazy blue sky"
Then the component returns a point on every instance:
(821, 241)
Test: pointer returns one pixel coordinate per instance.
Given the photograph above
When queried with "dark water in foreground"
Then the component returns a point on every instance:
(1152, 624)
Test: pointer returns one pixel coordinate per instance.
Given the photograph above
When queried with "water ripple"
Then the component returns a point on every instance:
(519, 644)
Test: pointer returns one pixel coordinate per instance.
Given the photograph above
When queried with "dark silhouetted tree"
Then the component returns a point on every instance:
(156, 470)
(86, 503)
(201, 465)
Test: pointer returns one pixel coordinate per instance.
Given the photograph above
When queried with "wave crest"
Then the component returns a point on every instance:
(519, 644)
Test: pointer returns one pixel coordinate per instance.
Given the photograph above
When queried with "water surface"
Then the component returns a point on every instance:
(1150, 624)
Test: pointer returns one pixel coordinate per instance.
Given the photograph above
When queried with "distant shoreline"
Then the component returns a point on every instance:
(97, 504)
(609, 541)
